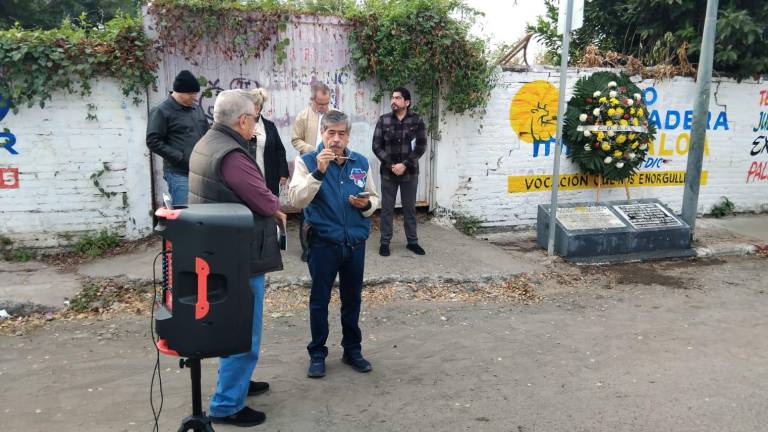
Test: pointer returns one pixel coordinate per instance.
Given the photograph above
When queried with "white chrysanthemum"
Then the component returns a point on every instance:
(596, 94)
(612, 84)
(619, 164)
(587, 147)
(632, 156)
(611, 133)
(587, 133)
(583, 118)
(644, 146)
(612, 94)
(637, 96)
(630, 102)
(608, 159)
(596, 112)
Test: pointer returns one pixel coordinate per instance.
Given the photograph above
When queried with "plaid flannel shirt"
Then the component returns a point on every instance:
(396, 141)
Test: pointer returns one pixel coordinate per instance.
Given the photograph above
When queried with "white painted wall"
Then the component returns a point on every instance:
(476, 156)
(55, 199)
(318, 51)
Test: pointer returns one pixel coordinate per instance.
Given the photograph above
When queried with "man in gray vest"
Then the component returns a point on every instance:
(221, 171)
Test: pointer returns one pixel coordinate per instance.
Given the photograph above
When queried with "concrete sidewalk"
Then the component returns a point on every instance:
(450, 256)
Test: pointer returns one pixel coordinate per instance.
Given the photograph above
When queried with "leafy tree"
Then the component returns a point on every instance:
(654, 30)
(48, 14)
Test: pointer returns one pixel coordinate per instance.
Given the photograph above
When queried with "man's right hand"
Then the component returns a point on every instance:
(280, 218)
(324, 158)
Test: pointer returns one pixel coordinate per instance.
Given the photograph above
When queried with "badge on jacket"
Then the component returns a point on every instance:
(358, 176)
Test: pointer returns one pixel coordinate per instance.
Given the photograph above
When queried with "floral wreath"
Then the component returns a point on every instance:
(606, 126)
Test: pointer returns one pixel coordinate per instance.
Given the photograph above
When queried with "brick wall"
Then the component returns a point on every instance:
(54, 199)
(477, 156)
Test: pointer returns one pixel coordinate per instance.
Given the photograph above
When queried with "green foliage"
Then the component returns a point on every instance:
(96, 182)
(34, 64)
(612, 155)
(46, 14)
(653, 31)
(94, 244)
(9, 253)
(424, 44)
(466, 223)
(85, 299)
(724, 208)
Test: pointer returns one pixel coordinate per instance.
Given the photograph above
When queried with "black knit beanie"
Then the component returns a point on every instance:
(185, 82)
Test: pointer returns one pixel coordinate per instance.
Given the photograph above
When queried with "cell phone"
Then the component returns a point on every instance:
(363, 194)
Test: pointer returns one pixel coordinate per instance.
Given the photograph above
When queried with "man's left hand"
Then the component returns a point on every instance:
(398, 169)
(358, 202)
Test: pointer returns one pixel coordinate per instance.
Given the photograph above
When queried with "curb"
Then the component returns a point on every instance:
(730, 249)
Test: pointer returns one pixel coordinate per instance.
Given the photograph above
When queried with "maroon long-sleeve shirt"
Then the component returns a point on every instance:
(243, 177)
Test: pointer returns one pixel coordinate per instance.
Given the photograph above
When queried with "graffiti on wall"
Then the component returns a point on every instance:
(9, 175)
(758, 170)
(533, 115)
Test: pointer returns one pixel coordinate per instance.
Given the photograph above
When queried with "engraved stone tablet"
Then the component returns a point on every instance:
(647, 215)
(588, 217)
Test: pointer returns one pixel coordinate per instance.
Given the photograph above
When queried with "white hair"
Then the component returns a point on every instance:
(230, 105)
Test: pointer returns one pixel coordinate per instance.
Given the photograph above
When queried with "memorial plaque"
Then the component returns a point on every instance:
(588, 217)
(647, 215)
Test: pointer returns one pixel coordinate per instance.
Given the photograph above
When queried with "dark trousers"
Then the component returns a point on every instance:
(326, 260)
(407, 199)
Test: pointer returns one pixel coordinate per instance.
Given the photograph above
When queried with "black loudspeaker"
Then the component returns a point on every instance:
(206, 306)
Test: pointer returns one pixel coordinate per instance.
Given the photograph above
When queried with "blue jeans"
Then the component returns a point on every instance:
(178, 187)
(325, 261)
(235, 371)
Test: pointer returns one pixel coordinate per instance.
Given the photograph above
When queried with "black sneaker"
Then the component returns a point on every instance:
(244, 418)
(256, 388)
(316, 367)
(305, 255)
(415, 248)
(357, 362)
(384, 250)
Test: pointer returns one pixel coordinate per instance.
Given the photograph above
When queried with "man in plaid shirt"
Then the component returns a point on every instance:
(399, 141)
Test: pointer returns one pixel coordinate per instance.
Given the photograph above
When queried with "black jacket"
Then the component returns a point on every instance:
(206, 185)
(172, 132)
(275, 164)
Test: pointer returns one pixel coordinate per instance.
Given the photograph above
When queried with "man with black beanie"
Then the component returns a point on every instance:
(173, 129)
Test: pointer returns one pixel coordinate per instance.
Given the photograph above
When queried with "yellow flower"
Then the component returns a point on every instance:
(611, 112)
(602, 100)
(620, 111)
(617, 154)
(634, 145)
(620, 138)
(635, 122)
(640, 112)
(609, 123)
(614, 101)
(605, 146)
(600, 136)
(632, 111)
(623, 122)
(632, 136)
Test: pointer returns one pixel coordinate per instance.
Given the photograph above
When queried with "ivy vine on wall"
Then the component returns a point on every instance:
(233, 29)
(35, 63)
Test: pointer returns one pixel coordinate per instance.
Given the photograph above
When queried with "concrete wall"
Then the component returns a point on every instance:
(485, 169)
(318, 51)
(47, 195)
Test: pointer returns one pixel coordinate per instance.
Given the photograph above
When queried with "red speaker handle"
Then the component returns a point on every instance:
(202, 269)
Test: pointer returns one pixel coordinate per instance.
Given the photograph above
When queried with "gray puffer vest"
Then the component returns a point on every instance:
(206, 185)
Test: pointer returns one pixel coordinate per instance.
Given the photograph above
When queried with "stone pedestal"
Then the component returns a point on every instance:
(616, 231)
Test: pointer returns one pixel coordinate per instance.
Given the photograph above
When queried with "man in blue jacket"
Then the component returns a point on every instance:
(334, 187)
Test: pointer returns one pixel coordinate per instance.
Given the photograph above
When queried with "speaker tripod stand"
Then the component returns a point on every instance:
(198, 421)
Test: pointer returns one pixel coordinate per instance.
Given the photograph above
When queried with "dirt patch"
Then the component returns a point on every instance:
(648, 273)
